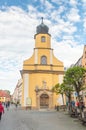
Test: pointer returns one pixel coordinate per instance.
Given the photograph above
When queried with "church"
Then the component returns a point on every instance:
(41, 72)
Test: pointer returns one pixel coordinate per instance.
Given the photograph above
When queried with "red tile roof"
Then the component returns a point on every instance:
(3, 93)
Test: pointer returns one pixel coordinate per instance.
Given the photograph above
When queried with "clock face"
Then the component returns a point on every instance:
(44, 60)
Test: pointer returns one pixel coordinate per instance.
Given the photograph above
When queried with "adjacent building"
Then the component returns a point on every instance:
(4, 96)
(17, 94)
(41, 72)
(82, 62)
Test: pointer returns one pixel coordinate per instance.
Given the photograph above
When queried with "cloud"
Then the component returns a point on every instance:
(48, 5)
(8, 80)
(67, 51)
(62, 27)
(84, 3)
(84, 25)
(73, 2)
(16, 44)
(17, 30)
(59, 2)
(73, 15)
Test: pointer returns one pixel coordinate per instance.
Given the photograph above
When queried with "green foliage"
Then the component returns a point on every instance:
(75, 77)
(73, 81)
(58, 89)
(63, 89)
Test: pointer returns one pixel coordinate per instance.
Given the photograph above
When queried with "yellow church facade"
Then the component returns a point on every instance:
(41, 72)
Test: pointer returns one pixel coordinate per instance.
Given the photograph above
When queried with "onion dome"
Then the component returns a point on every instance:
(42, 28)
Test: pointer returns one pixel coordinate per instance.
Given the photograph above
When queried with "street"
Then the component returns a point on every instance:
(17, 119)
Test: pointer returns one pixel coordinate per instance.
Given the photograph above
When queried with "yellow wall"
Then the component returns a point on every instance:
(36, 79)
(40, 44)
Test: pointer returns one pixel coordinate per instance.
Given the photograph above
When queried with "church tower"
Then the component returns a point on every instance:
(41, 72)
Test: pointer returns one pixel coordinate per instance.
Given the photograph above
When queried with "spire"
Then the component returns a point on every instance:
(42, 19)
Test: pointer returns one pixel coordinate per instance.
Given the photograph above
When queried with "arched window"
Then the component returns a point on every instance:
(43, 60)
(43, 39)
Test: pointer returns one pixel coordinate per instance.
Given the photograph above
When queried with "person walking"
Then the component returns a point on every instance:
(7, 105)
(1, 110)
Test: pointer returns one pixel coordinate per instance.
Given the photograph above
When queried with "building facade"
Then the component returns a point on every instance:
(17, 94)
(41, 72)
(82, 62)
(4, 96)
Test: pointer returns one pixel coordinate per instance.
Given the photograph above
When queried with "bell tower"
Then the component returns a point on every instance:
(43, 51)
(42, 37)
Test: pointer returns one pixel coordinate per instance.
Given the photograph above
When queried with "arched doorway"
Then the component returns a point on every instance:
(44, 101)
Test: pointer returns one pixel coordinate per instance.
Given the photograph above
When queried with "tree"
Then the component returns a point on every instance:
(68, 90)
(63, 89)
(8, 92)
(75, 77)
(59, 89)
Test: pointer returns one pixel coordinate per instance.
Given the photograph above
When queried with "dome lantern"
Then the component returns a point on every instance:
(42, 28)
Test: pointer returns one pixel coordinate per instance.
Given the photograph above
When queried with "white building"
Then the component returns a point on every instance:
(17, 95)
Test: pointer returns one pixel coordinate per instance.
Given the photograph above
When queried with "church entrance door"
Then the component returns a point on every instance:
(44, 101)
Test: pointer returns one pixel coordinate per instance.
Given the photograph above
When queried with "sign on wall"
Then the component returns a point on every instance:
(28, 101)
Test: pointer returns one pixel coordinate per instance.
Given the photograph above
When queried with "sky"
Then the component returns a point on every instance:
(66, 20)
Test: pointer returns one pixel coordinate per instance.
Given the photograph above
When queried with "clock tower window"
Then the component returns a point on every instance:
(43, 39)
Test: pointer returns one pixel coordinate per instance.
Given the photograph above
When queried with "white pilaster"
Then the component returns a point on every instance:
(51, 59)
(36, 56)
(26, 87)
(60, 79)
(60, 100)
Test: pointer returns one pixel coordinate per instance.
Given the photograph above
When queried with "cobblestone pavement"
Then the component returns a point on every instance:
(38, 120)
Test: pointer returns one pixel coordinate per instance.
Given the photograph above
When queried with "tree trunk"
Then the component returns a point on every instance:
(63, 99)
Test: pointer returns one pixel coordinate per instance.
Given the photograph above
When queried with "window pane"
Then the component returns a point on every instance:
(43, 60)
(43, 39)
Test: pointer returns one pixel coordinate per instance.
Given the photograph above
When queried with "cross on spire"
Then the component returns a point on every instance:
(42, 19)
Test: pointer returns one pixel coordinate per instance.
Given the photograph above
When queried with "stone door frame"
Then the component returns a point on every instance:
(44, 91)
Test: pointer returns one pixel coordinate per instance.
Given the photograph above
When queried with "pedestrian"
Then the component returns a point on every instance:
(16, 105)
(1, 110)
(7, 106)
(82, 106)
